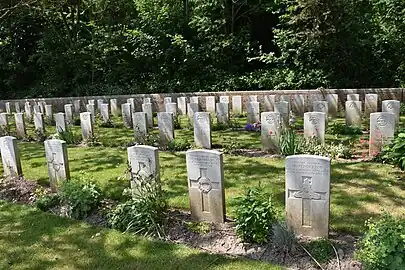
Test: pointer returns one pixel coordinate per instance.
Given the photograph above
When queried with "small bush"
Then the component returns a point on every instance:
(108, 124)
(39, 136)
(177, 122)
(68, 136)
(149, 139)
(383, 245)
(255, 215)
(290, 143)
(394, 153)
(82, 198)
(314, 147)
(219, 126)
(4, 131)
(336, 128)
(47, 202)
(178, 145)
(320, 249)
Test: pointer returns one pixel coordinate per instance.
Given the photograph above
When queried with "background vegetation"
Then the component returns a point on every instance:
(81, 47)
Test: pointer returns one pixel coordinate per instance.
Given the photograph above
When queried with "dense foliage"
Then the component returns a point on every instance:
(72, 48)
(394, 153)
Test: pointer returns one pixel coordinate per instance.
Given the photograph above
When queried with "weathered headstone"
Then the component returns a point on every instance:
(270, 131)
(194, 99)
(60, 122)
(147, 100)
(69, 113)
(48, 112)
(91, 109)
(131, 101)
(314, 125)
(99, 102)
(171, 108)
(298, 104)
(382, 130)
(370, 104)
(36, 109)
(58, 162)
(237, 105)
(282, 108)
(167, 100)
(39, 122)
(182, 105)
(20, 125)
(321, 106)
(224, 99)
(210, 104)
(192, 108)
(91, 101)
(223, 112)
(140, 124)
(268, 102)
(17, 107)
(353, 113)
(206, 185)
(307, 195)
(333, 101)
(253, 112)
(86, 125)
(28, 112)
(286, 98)
(166, 127)
(104, 113)
(8, 107)
(147, 108)
(4, 125)
(392, 106)
(114, 107)
(353, 97)
(126, 115)
(10, 156)
(202, 129)
(76, 106)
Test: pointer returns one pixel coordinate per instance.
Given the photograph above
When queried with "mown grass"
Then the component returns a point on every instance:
(30, 239)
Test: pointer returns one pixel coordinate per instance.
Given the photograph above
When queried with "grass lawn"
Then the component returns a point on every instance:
(30, 239)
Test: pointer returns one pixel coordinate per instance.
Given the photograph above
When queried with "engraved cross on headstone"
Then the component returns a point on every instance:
(56, 166)
(204, 185)
(307, 195)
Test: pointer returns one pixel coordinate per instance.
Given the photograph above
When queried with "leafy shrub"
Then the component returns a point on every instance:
(149, 139)
(290, 143)
(144, 213)
(383, 245)
(68, 136)
(76, 121)
(255, 215)
(4, 131)
(234, 123)
(82, 198)
(219, 126)
(394, 153)
(336, 128)
(108, 124)
(177, 122)
(39, 136)
(46, 202)
(320, 249)
(178, 145)
(312, 146)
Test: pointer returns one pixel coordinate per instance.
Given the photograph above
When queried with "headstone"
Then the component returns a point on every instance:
(321, 106)
(147, 108)
(48, 112)
(202, 129)
(223, 112)
(76, 106)
(270, 131)
(382, 130)
(392, 106)
(99, 102)
(140, 124)
(8, 107)
(58, 162)
(166, 127)
(206, 185)
(307, 194)
(36, 109)
(210, 104)
(131, 101)
(17, 107)
(69, 114)
(41, 107)
(104, 113)
(171, 108)
(298, 104)
(251, 98)
(86, 125)
(194, 99)
(282, 108)
(91, 101)
(370, 104)
(253, 112)
(333, 101)
(4, 125)
(39, 122)
(147, 100)
(167, 100)
(182, 105)
(353, 113)
(114, 107)
(126, 115)
(20, 125)
(353, 97)
(60, 122)
(192, 108)
(237, 105)
(268, 102)
(286, 98)
(28, 112)
(10, 156)
(224, 99)
(91, 109)
(314, 125)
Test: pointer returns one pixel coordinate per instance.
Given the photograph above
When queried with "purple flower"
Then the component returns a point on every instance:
(249, 127)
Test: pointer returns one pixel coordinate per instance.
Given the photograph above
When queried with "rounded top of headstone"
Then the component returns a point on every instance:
(146, 147)
(204, 151)
(313, 157)
(55, 141)
(8, 138)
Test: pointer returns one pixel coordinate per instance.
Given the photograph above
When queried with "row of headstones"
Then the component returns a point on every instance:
(307, 181)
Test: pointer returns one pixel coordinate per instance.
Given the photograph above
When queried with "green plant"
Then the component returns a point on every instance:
(68, 136)
(394, 153)
(76, 121)
(178, 145)
(39, 136)
(320, 249)
(283, 237)
(46, 202)
(81, 198)
(230, 146)
(383, 244)
(255, 214)
(198, 227)
(4, 130)
(144, 213)
(177, 122)
(108, 124)
(219, 126)
(337, 128)
(290, 143)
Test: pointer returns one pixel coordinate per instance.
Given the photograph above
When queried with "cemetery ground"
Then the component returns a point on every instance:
(360, 189)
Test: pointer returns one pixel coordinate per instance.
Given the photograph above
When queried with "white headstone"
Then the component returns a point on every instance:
(48, 112)
(76, 106)
(392, 106)
(167, 100)
(353, 97)
(353, 113)
(147, 100)
(20, 125)
(210, 104)
(268, 102)
(321, 106)
(251, 98)
(223, 113)
(39, 122)
(91, 109)
(86, 125)
(270, 131)
(4, 125)
(171, 108)
(192, 108)
(28, 112)
(58, 162)
(10, 156)
(36, 109)
(333, 101)
(253, 112)
(298, 104)
(224, 99)
(307, 194)
(99, 102)
(69, 113)
(237, 105)
(114, 107)
(202, 129)
(131, 101)
(382, 130)
(206, 185)
(126, 115)
(282, 108)
(370, 104)
(104, 113)
(182, 105)
(140, 124)
(60, 122)
(314, 125)
(91, 101)
(166, 127)
(194, 99)
(17, 107)
(8, 107)
(147, 108)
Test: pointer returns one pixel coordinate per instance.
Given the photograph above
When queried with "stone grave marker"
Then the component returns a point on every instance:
(202, 129)
(131, 101)
(194, 99)
(69, 114)
(210, 104)
(224, 99)
(10, 156)
(17, 107)
(28, 112)
(147, 100)
(91, 109)
(270, 131)
(140, 124)
(58, 162)
(206, 185)
(8, 107)
(91, 101)
(192, 108)
(298, 104)
(48, 112)
(171, 108)
(166, 127)
(20, 125)
(237, 105)
(147, 108)
(167, 100)
(76, 106)
(392, 106)
(268, 102)
(223, 112)
(104, 113)
(370, 104)
(60, 122)
(321, 106)
(314, 125)
(41, 107)
(99, 102)
(86, 125)
(253, 112)
(353, 113)
(114, 107)
(353, 97)
(39, 122)
(282, 108)
(333, 101)
(182, 105)
(126, 115)
(4, 125)
(251, 98)
(382, 130)
(307, 194)
(36, 109)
